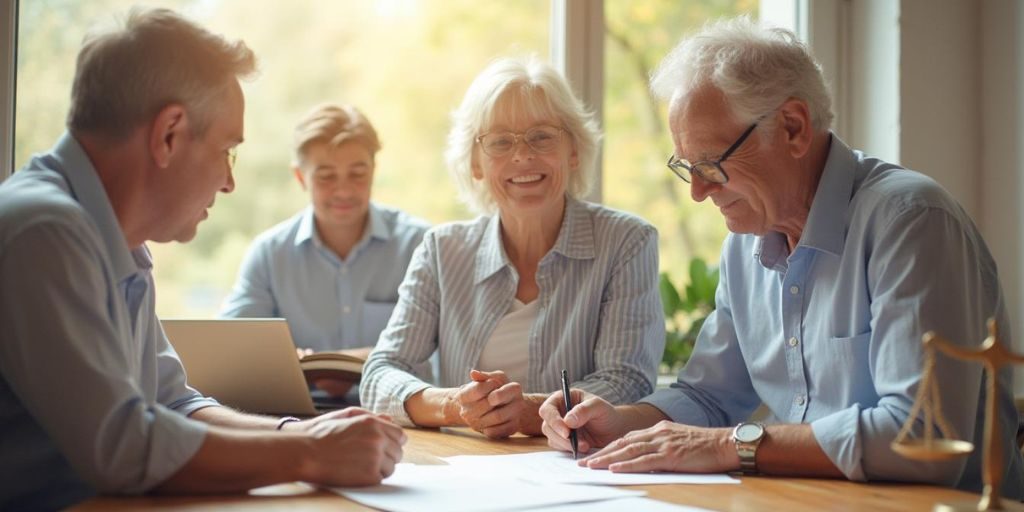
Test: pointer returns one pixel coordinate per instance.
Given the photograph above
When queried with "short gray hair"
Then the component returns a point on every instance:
(127, 73)
(518, 88)
(756, 68)
(334, 125)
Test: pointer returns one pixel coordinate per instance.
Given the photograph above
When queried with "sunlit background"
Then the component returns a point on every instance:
(405, 64)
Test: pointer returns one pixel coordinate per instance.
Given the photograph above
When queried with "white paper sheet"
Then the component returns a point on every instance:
(644, 504)
(559, 467)
(414, 488)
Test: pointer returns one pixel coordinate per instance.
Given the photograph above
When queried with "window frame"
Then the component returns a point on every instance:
(8, 83)
(576, 48)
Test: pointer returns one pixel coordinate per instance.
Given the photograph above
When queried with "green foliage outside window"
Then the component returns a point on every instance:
(685, 313)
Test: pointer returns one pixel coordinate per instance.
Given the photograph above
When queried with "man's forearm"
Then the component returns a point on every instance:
(792, 450)
(639, 416)
(226, 417)
(232, 460)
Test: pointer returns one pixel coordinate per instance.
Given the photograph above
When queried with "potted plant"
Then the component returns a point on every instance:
(685, 313)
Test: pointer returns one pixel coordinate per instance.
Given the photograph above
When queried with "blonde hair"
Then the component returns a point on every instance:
(127, 73)
(509, 89)
(756, 68)
(334, 125)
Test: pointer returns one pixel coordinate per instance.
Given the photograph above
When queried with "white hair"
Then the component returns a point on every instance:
(509, 90)
(756, 68)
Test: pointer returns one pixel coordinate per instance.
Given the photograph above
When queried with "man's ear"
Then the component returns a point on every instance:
(299, 176)
(796, 126)
(169, 129)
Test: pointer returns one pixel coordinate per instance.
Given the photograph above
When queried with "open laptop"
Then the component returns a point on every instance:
(245, 363)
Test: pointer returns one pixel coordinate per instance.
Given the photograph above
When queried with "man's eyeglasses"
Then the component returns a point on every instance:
(541, 139)
(708, 170)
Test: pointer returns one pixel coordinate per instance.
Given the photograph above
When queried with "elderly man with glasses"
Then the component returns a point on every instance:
(836, 265)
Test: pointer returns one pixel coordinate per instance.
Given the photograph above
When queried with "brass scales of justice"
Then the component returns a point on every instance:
(993, 355)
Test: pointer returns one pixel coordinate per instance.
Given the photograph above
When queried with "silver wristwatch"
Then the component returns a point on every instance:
(747, 436)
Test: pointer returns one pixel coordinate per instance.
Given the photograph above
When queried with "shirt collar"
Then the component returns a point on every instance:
(825, 229)
(88, 190)
(307, 230)
(575, 240)
(826, 223)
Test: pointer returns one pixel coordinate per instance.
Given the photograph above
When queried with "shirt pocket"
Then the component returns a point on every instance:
(845, 375)
(375, 318)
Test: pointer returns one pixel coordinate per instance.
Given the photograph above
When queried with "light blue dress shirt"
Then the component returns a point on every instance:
(830, 335)
(330, 303)
(599, 315)
(92, 396)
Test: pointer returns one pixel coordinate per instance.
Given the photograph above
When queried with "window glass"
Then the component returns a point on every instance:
(638, 34)
(404, 63)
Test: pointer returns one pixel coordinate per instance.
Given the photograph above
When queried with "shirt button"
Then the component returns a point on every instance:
(793, 290)
(344, 270)
(793, 342)
(800, 400)
(346, 310)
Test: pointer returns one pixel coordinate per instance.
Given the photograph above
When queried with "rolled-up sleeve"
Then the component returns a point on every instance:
(909, 299)
(70, 365)
(409, 340)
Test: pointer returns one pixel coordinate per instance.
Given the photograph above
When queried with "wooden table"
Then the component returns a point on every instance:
(425, 446)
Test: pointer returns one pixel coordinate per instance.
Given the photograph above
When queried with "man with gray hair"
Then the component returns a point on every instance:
(92, 396)
(829, 278)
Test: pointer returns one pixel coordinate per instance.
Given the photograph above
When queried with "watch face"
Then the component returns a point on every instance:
(749, 432)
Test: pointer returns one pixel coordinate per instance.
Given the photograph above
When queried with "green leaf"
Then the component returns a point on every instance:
(670, 301)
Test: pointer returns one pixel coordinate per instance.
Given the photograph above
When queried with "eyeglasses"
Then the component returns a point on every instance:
(232, 157)
(709, 170)
(541, 139)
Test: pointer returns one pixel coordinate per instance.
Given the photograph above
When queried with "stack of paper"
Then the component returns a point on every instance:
(415, 488)
(491, 483)
(561, 468)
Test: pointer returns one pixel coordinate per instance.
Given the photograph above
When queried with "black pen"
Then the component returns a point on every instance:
(568, 407)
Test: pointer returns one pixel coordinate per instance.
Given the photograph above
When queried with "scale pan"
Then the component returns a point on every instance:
(937, 449)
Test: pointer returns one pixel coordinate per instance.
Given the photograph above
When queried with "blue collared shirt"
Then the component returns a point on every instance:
(599, 315)
(330, 303)
(92, 396)
(830, 335)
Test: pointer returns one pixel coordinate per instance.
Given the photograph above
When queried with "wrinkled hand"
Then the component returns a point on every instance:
(353, 447)
(490, 404)
(668, 446)
(596, 421)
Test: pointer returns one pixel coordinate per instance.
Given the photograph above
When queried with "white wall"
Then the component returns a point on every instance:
(1001, 171)
(938, 86)
(872, 78)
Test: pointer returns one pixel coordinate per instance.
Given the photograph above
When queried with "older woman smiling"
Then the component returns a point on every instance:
(540, 282)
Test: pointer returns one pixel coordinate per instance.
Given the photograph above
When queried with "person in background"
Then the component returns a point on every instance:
(543, 281)
(156, 115)
(837, 263)
(332, 270)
